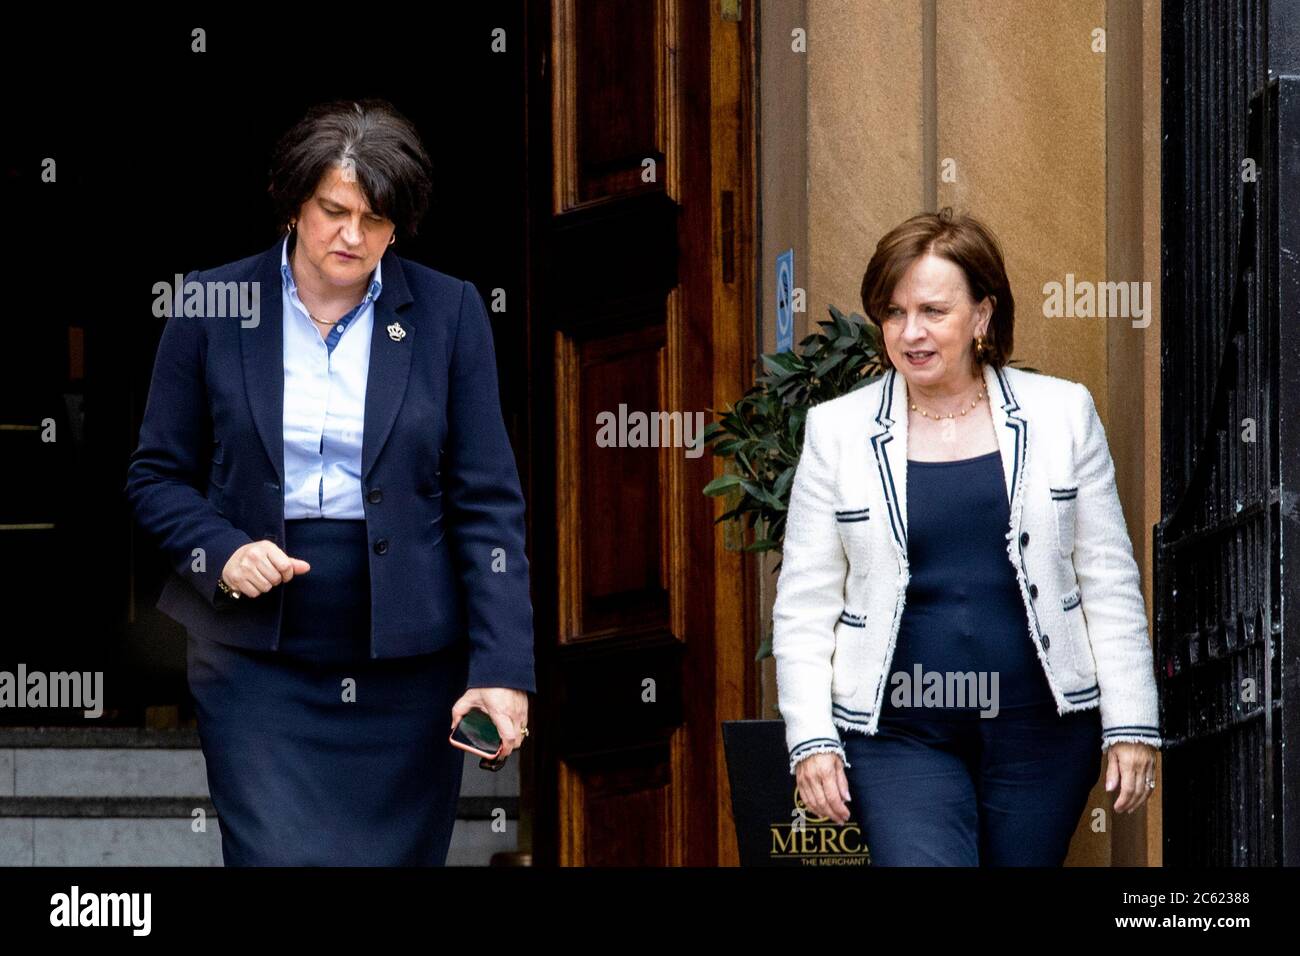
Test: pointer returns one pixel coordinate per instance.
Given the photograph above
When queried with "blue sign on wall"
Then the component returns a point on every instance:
(784, 294)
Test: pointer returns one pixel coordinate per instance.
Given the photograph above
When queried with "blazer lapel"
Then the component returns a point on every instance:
(390, 361)
(889, 444)
(262, 353)
(1013, 436)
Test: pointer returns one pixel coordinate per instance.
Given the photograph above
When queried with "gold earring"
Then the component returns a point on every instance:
(980, 346)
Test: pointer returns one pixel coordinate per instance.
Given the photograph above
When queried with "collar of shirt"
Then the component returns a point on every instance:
(291, 287)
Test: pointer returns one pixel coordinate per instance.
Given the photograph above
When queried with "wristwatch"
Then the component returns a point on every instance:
(225, 588)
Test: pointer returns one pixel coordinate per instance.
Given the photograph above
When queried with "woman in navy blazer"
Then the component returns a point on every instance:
(330, 478)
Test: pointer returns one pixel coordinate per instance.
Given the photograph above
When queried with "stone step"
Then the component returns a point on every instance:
(130, 797)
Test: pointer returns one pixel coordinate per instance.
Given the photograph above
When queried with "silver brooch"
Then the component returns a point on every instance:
(396, 332)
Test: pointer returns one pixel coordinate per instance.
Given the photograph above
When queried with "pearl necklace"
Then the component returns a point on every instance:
(973, 403)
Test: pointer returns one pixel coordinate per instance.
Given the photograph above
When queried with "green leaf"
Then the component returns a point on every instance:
(827, 364)
(763, 495)
(782, 486)
(781, 361)
(722, 484)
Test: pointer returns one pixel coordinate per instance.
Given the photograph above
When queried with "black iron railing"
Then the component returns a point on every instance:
(1226, 625)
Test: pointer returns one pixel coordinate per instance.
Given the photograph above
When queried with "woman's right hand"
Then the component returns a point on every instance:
(258, 566)
(823, 786)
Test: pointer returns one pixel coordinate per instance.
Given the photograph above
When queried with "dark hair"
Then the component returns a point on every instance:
(961, 239)
(381, 145)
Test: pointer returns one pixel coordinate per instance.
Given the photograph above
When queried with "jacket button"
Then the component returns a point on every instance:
(1046, 642)
(1024, 538)
(1033, 590)
(375, 496)
(381, 546)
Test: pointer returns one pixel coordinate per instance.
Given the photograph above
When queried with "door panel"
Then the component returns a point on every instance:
(624, 276)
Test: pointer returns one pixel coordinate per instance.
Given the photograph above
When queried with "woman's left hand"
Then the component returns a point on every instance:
(1130, 765)
(507, 706)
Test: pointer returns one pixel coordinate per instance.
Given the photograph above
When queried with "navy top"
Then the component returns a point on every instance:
(963, 610)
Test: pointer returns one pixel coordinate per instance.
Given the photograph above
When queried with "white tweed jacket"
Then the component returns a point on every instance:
(844, 572)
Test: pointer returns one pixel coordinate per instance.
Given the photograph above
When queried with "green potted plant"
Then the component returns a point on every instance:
(760, 437)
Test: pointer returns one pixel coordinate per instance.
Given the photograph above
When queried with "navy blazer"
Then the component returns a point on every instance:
(444, 510)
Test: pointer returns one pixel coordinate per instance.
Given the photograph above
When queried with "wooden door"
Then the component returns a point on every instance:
(639, 301)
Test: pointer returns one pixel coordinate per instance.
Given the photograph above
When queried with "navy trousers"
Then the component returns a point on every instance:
(961, 790)
(318, 755)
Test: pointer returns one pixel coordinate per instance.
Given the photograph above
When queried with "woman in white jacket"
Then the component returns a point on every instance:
(954, 537)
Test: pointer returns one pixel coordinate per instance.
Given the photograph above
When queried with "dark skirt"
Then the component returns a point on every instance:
(318, 755)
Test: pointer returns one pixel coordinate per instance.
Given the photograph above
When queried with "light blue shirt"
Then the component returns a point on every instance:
(324, 404)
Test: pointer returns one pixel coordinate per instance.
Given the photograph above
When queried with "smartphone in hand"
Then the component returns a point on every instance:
(477, 734)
